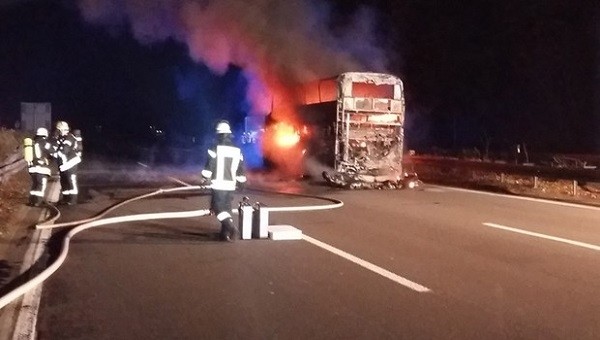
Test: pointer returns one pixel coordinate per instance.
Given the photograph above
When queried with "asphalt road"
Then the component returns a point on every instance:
(485, 278)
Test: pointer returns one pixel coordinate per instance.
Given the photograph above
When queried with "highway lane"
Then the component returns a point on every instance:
(170, 279)
(522, 283)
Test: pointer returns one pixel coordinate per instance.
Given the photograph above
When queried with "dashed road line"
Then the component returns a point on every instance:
(368, 265)
(544, 236)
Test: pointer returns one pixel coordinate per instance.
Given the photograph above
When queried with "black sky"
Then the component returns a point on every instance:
(504, 72)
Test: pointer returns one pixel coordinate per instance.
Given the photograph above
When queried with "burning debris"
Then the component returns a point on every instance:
(352, 124)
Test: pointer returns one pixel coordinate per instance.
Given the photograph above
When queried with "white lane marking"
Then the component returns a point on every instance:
(544, 236)
(179, 181)
(27, 318)
(435, 189)
(169, 177)
(383, 272)
(540, 200)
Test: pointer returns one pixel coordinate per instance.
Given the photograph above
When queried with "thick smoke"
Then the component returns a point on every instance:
(275, 42)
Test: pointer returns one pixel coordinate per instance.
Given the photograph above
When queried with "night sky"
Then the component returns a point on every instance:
(475, 73)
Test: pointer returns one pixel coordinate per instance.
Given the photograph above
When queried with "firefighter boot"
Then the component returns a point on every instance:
(72, 200)
(63, 200)
(229, 232)
(33, 201)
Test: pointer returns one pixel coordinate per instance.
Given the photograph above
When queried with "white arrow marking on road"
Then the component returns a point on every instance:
(544, 236)
(368, 265)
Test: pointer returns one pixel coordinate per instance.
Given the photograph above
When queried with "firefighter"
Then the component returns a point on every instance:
(77, 134)
(66, 148)
(224, 171)
(37, 154)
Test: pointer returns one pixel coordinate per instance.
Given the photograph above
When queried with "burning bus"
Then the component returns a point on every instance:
(352, 124)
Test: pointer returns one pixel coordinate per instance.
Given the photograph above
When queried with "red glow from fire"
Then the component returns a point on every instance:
(285, 135)
(282, 142)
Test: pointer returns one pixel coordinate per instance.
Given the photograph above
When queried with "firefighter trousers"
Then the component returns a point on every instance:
(69, 186)
(39, 183)
(220, 205)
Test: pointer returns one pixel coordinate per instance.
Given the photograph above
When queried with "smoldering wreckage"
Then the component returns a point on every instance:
(365, 173)
(352, 124)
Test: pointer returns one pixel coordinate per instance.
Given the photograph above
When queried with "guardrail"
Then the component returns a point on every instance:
(590, 175)
(577, 176)
(11, 165)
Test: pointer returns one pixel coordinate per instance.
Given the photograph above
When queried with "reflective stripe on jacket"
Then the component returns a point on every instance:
(66, 148)
(224, 167)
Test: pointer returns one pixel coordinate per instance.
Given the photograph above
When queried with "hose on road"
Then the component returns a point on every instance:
(97, 220)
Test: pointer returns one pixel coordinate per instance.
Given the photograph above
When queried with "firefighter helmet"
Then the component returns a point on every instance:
(41, 132)
(223, 127)
(62, 126)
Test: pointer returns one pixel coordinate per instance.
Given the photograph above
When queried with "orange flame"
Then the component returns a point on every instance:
(282, 142)
(285, 135)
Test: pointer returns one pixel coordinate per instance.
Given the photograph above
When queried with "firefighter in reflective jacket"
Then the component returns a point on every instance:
(37, 154)
(224, 170)
(77, 134)
(66, 148)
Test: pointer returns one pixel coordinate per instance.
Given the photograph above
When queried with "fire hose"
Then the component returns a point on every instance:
(95, 222)
(98, 221)
(50, 223)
